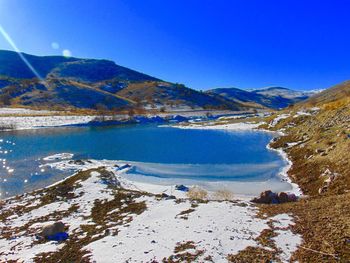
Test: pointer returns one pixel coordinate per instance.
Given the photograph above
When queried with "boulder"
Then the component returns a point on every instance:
(269, 197)
(52, 229)
(283, 197)
(292, 198)
(264, 198)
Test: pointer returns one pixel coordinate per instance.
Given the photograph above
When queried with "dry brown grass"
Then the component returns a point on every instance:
(334, 105)
(223, 194)
(184, 252)
(196, 193)
(322, 219)
(324, 224)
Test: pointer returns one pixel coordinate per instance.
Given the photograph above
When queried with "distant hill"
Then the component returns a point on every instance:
(89, 70)
(273, 97)
(336, 93)
(74, 83)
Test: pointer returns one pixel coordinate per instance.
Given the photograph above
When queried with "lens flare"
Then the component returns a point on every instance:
(15, 48)
(67, 53)
(55, 45)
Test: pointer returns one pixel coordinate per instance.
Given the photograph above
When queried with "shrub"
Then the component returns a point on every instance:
(197, 193)
(223, 194)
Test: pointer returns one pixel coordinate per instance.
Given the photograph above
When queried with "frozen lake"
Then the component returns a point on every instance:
(238, 160)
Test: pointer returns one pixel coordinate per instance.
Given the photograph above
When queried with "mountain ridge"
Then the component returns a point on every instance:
(97, 84)
(82, 83)
(270, 97)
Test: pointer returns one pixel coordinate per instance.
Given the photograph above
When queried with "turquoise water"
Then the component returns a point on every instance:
(159, 154)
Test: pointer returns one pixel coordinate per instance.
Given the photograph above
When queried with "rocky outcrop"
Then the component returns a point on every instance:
(269, 197)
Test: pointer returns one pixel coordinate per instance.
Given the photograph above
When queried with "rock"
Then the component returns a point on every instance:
(164, 195)
(283, 197)
(323, 189)
(52, 229)
(77, 162)
(264, 198)
(181, 187)
(171, 197)
(292, 198)
(269, 197)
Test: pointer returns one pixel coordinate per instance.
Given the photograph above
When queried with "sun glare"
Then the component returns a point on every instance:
(15, 48)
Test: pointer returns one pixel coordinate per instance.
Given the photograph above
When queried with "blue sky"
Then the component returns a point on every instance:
(201, 43)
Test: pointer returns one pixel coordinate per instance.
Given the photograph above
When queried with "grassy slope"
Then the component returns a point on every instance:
(323, 217)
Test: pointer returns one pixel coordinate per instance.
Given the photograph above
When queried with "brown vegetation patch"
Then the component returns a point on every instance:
(253, 255)
(184, 214)
(181, 253)
(324, 224)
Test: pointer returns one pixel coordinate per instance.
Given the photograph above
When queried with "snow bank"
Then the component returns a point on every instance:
(31, 122)
(278, 119)
(284, 172)
(22, 111)
(214, 229)
(241, 126)
(58, 156)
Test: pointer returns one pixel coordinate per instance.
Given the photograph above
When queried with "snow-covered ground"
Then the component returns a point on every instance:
(32, 122)
(111, 224)
(19, 119)
(241, 126)
(278, 119)
(22, 111)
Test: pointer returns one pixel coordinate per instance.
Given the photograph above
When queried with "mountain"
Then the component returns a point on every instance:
(73, 83)
(88, 70)
(273, 97)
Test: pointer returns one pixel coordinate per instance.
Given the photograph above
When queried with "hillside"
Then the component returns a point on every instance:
(273, 97)
(336, 93)
(74, 83)
(317, 140)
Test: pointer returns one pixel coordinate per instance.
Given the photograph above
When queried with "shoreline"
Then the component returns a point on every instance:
(211, 185)
(243, 126)
(13, 119)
